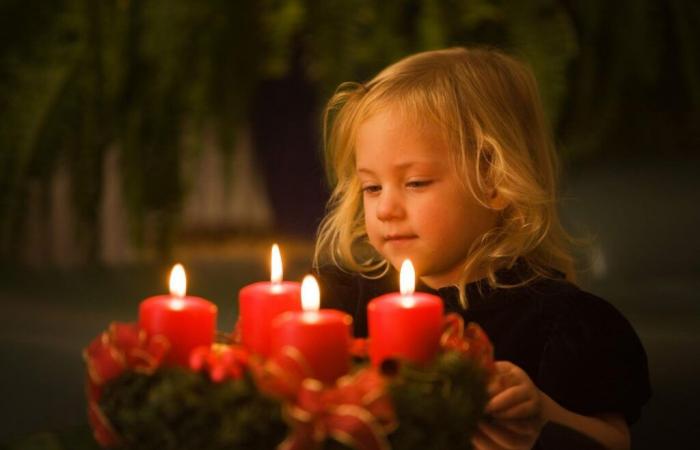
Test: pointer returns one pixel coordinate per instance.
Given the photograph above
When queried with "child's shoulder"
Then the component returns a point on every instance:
(572, 306)
(593, 360)
(576, 321)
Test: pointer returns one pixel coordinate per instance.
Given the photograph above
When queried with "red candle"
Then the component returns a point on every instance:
(186, 322)
(319, 338)
(405, 325)
(259, 304)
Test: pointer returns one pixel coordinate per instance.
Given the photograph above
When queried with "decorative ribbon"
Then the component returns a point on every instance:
(357, 412)
(124, 346)
(281, 375)
(221, 361)
(471, 341)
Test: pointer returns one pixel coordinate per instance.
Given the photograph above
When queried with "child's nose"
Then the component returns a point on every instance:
(390, 206)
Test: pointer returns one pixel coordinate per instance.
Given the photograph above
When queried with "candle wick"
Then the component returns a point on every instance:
(276, 286)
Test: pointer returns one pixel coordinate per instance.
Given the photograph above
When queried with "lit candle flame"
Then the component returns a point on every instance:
(310, 294)
(276, 265)
(407, 278)
(178, 281)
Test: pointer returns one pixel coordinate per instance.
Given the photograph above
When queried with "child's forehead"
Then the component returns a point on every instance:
(390, 139)
(400, 122)
(398, 114)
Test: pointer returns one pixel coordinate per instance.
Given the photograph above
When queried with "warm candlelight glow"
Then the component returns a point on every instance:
(177, 304)
(276, 265)
(408, 302)
(407, 278)
(310, 294)
(178, 281)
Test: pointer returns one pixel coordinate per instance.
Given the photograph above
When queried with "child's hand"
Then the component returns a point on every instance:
(507, 434)
(514, 395)
(516, 404)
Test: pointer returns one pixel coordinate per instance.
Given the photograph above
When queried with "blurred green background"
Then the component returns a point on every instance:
(158, 81)
(135, 133)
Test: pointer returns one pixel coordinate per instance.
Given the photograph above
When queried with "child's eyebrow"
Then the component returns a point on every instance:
(401, 166)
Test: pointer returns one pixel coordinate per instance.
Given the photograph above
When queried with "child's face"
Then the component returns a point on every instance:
(415, 206)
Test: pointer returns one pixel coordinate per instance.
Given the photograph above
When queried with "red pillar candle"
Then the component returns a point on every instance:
(405, 325)
(259, 303)
(319, 338)
(185, 321)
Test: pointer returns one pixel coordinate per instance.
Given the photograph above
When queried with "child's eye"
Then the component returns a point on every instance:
(371, 188)
(415, 184)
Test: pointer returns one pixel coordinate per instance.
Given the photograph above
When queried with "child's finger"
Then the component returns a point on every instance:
(505, 371)
(478, 441)
(502, 436)
(504, 378)
(507, 399)
(481, 441)
(519, 411)
(526, 427)
(495, 386)
(503, 366)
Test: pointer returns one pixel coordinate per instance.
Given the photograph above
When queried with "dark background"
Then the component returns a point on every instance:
(620, 82)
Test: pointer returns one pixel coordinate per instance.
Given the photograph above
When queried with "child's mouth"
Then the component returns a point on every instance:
(399, 238)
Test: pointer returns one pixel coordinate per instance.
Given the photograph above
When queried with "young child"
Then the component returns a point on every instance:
(445, 158)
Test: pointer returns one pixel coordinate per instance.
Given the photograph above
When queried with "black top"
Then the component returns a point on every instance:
(576, 347)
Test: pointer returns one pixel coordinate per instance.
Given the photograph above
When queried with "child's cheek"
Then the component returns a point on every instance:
(371, 233)
(375, 244)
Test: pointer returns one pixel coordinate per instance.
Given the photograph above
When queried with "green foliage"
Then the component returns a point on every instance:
(78, 76)
(549, 47)
(38, 99)
(633, 85)
(438, 407)
(176, 409)
(351, 40)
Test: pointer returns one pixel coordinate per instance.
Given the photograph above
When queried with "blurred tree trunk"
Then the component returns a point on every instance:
(285, 125)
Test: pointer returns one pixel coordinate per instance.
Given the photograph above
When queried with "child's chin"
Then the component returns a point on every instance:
(397, 261)
(394, 261)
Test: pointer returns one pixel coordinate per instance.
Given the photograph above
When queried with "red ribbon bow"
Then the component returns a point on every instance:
(357, 412)
(221, 361)
(471, 340)
(124, 346)
(282, 374)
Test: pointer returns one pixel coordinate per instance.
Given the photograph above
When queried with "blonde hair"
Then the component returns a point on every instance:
(487, 105)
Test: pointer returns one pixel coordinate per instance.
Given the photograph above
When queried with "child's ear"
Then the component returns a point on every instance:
(497, 200)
